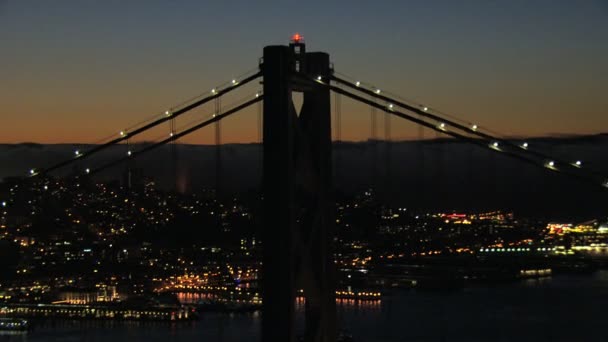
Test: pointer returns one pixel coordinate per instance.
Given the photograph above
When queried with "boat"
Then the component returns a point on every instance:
(14, 324)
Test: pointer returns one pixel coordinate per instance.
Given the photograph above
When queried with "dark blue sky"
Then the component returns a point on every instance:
(519, 67)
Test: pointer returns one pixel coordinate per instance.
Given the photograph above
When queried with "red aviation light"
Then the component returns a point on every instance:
(296, 38)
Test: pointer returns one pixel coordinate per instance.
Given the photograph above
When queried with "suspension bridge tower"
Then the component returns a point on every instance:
(298, 203)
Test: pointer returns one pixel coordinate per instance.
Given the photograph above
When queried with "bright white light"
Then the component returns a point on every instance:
(32, 171)
(234, 82)
(257, 95)
(46, 187)
(128, 153)
(605, 183)
(87, 170)
(122, 133)
(213, 91)
(171, 134)
(3, 203)
(390, 106)
(552, 163)
(524, 145)
(319, 78)
(474, 127)
(578, 163)
(77, 153)
(425, 108)
(167, 113)
(495, 144)
(377, 91)
(442, 125)
(358, 83)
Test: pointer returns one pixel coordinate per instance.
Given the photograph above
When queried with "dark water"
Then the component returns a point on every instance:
(562, 308)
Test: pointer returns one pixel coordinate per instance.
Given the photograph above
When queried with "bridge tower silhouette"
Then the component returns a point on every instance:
(298, 205)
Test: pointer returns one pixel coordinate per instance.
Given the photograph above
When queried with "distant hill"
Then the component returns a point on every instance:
(434, 173)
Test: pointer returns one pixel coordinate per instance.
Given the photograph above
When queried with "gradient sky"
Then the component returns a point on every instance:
(79, 70)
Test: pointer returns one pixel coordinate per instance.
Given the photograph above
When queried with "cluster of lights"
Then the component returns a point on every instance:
(356, 294)
(519, 249)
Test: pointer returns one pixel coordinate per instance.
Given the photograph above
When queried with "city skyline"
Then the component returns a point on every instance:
(520, 69)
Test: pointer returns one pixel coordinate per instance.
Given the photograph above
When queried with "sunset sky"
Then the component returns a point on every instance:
(78, 71)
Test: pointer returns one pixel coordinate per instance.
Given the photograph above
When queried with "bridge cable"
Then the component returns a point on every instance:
(483, 143)
(177, 135)
(169, 114)
(473, 129)
(550, 163)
